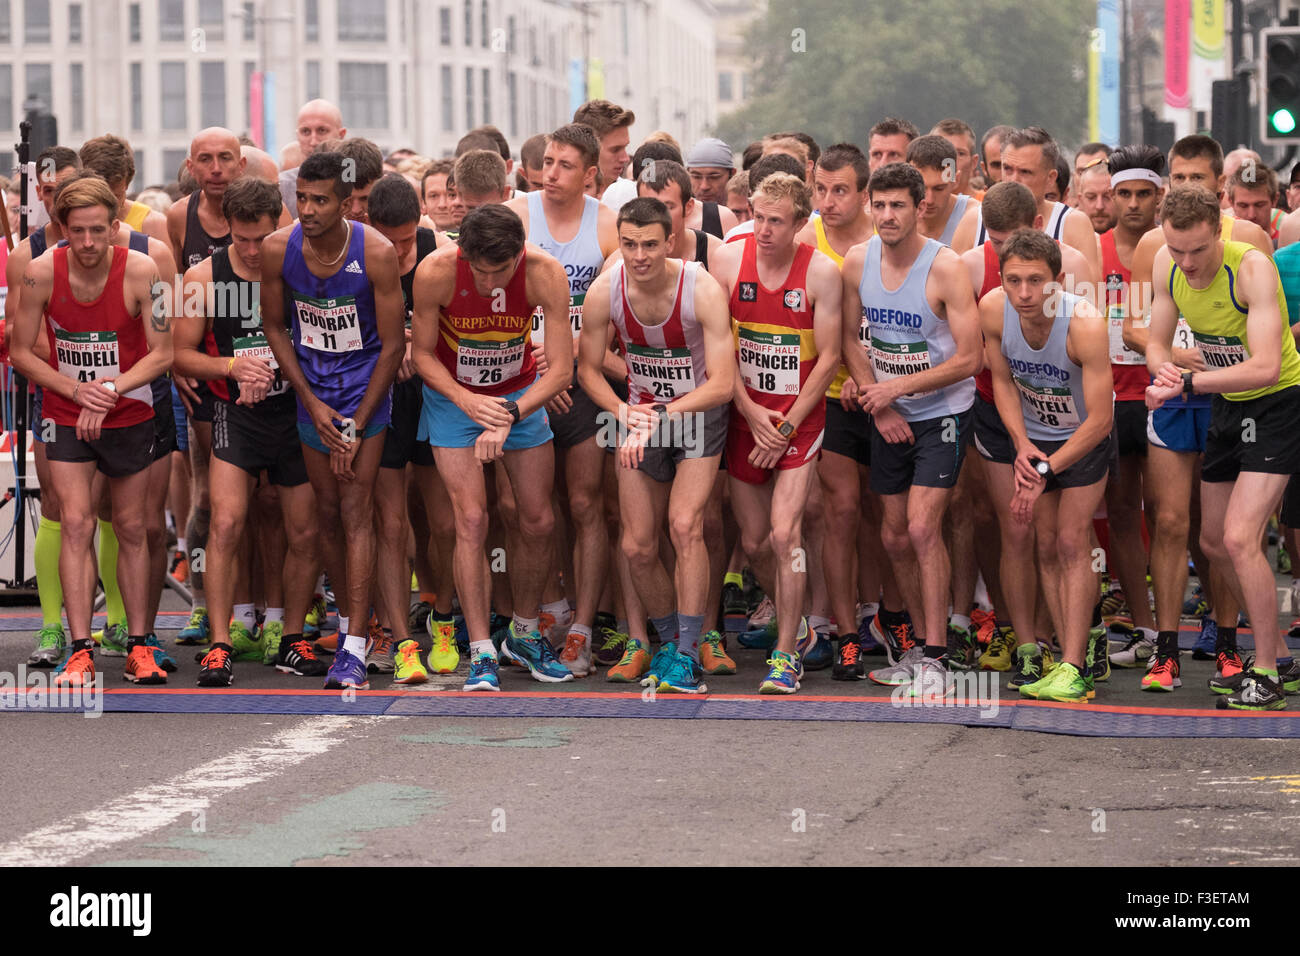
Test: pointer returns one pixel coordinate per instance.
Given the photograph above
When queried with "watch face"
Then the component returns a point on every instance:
(786, 429)
(1043, 468)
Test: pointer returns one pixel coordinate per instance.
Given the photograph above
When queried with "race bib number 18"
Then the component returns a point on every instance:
(769, 362)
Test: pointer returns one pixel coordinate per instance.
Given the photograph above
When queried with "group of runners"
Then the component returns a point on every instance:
(813, 402)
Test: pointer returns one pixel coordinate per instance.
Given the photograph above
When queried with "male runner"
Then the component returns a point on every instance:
(106, 318)
(888, 140)
(962, 138)
(1089, 155)
(337, 284)
(111, 157)
(483, 401)
(670, 317)
(1096, 200)
(1250, 196)
(944, 204)
(1047, 353)
(711, 165)
(531, 154)
(438, 198)
(318, 121)
(611, 124)
(785, 304)
(910, 296)
(991, 152)
(1233, 302)
(255, 430)
(669, 183)
(365, 164)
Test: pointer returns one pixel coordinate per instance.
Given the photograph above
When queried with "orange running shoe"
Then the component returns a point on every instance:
(714, 659)
(633, 666)
(327, 643)
(77, 671)
(142, 668)
(984, 623)
(1163, 675)
(180, 569)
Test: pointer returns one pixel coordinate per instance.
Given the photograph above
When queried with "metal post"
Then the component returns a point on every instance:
(20, 392)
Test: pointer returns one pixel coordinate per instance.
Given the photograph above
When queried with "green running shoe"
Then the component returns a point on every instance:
(111, 640)
(197, 631)
(245, 647)
(50, 645)
(272, 631)
(1064, 684)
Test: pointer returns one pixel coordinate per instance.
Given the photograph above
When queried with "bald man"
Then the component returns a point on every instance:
(318, 121)
(1232, 162)
(197, 228)
(260, 164)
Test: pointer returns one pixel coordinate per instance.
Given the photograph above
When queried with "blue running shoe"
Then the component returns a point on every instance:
(482, 674)
(535, 653)
(867, 641)
(815, 651)
(462, 635)
(761, 638)
(197, 632)
(659, 663)
(160, 656)
(347, 671)
(679, 674)
(783, 678)
(1207, 643)
(1196, 606)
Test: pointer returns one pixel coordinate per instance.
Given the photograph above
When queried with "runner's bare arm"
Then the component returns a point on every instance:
(432, 288)
(188, 330)
(14, 266)
(145, 291)
(1243, 230)
(963, 239)
(29, 323)
(852, 351)
(607, 230)
(1287, 233)
(165, 262)
(1088, 345)
(1077, 231)
(548, 287)
(1256, 289)
(275, 323)
(390, 316)
(592, 345)
(1141, 291)
(825, 291)
(176, 214)
(1005, 396)
(1161, 319)
(1079, 276)
(155, 226)
(714, 316)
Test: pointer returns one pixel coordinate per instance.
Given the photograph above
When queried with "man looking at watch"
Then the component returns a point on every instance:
(1048, 352)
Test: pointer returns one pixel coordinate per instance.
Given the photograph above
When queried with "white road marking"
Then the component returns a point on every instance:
(151, 808)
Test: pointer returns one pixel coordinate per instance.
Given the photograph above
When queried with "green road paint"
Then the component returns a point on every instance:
(330, 826)
(533, 737)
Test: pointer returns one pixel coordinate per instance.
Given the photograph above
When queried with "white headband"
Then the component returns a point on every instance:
(1125, 175)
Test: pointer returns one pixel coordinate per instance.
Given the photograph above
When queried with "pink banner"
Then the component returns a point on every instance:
(1178, 41)
(255, 109)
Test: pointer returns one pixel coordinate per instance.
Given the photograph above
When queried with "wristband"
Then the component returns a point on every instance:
(230, 366)
(1187, 383)
(74, 393)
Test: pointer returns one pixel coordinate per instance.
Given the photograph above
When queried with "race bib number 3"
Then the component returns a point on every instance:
(1120, 354)
(1183, 338)
(1221, 351)
(254, 346)
(1052, 405)
(328, 325)
(662, 373)
(769, 362)
(87, 356)
(483, 363)
(896, 359)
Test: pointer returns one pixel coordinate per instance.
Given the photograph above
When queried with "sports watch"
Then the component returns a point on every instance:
(1187, 383)
(513, 409)
(1042, 467)
(785, 429)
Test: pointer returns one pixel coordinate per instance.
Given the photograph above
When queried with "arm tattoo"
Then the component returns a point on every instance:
(28, 280)
(158, 310)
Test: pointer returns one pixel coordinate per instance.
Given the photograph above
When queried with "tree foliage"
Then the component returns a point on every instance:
(833, 68)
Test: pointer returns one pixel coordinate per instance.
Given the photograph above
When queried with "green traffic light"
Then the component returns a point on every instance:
(1283, 121)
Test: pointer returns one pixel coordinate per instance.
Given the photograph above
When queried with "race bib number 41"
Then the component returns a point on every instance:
(87, 356)
(769, 362)
(483, 363)
(328, 325)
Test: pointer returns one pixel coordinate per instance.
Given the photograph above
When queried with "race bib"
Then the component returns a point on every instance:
(769, 362)
(1120, 354)
(1053, 405)
(664, 373)
(896, 359)
(575, 321)
(87, 356)
(1221, 351)
(483, 363)
(254, 346)
(1183, 338)
(328, 325)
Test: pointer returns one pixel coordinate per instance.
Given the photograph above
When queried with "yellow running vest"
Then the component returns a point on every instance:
(136, 215)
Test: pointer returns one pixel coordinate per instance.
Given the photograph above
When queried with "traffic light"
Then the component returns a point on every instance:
(1279, 100)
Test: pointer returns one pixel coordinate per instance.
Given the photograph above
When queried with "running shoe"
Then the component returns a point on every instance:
(904, 672)
(1196, 605)
(1136, 653)
(50, 644)
(983, 623)
(1113, 602)
(783, 678)
(1029, 665)
(299, 658)
(714, 659)
(1231, 670)
(326, 643)
(272, 634)
(1258, 692)
(141, 668)
(932, 681)
(897, 639)
(962, 648)
(244, 646)
(735, 611)
(444, 657)
(462, 632)
(867, 640)
(1207, 641)
(1295, 628)
(607, 646)
(763, 615)
(407, 668)
(680, 675)
(659, 663)
(482, 674)
(316, 617)
(180, 568)
(78, 670)
(534, 652)
(576, 655)
(848, 662)
(160, 656)
(1283, 560)
(1229, 663)
(218, 669)
(347, 672)
(753, 593)
(551, 627)
(633, 665)
(1096, 655)
(1163, 674)
(379, 655)
(1064, 684)
(761, 634)
(417, 619)
(815, 650)
(112, 640)
(998, 655)
(197, 632)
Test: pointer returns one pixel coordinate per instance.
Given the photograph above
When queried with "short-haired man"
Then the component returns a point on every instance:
(944, 204)
(1093, 196)
(366, 164)
(111, 157)
(888, 140)
(670, 317)
(612, 125)
(105, 317)
(1250, 196)
(962, 137)
(991, 151)
(1051, 380)
(531, 154)
(437, 197)
(318, 121)
(481, 177)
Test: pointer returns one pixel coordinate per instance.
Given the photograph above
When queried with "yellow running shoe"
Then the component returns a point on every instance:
(444, 658)
(407, 666)
(1001, 651)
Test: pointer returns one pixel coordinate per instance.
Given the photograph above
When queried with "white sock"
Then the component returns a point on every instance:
(523, 625)
(355, 644)
(482, 647)
(867, 610)
(246, 614)
(959, 621)
(274, 614)
(180, 546)
(343, 625)
(583, 630)
(818, 623)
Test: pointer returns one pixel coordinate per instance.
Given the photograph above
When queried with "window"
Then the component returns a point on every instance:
(532, 47)
(6, 99)
(249, 69)
(212, 93)
(133, 21)
(212, 19)
(137, 96)
(469, 22)
(362, 20)
(510, 35)
(250, 23)
(512, 101)
(312, 26)
(172, 160)
(448, 104)
(469, 97)
(487, 97)
(363, 91)
(39, 77)
(313, 79)
(444, 25)
(74, 23)
(138, 183)
(172, 84)
(77, 95)
(724, 87)
(36, 21)
(6, 34)
(483, 30)
(171, 19)
(406, 106)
